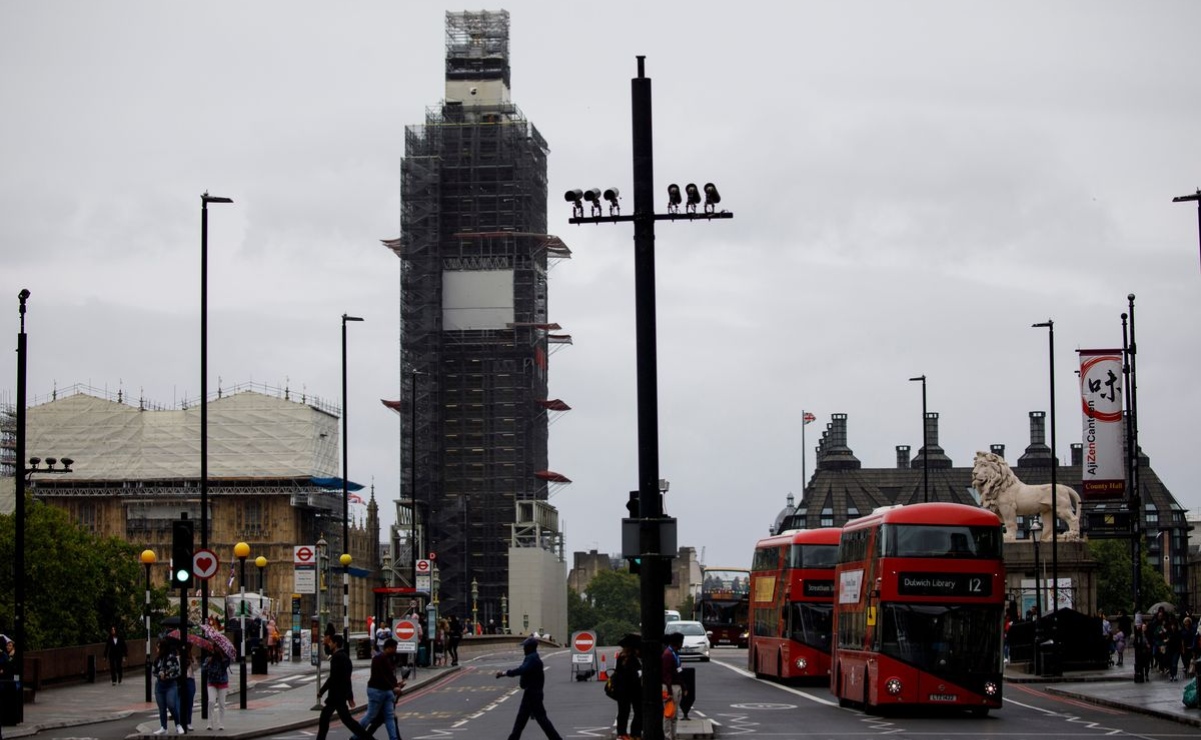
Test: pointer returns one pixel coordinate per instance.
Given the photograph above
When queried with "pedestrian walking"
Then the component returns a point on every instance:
(382, 635)
(216, 675)
(166, 686)
(1142, 653)
(453, 638)
(532, 682)
(115, 653)
(383, 691)
(627, 688)
(339, 688)
(1119, 645)
(673, 691)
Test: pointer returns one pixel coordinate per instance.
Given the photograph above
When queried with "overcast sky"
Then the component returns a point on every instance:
(914, 184)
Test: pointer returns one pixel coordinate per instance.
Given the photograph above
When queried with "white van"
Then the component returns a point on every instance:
(671, 615)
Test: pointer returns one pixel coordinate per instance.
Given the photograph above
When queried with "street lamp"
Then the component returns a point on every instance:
(241, 551)
(261, 563)
(925, 443)
(504, 614)
(1035, 529)
(655, 531)
(1189, 198)
(413, 473)
(148, 559)
(345, 493)
(322, 545)
(1049, 325)
(205, 199)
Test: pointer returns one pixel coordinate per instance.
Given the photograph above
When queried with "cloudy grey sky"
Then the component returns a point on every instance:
(914, 184)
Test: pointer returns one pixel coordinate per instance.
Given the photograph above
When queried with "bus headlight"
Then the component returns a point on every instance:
(802, 664)
(990, 688)
(893, 686)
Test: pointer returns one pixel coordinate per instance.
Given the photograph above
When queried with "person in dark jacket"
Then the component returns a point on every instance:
(453, 638)
(383, 691)
(532, 681)
(115, 653)
(627, 676)
(341, 692)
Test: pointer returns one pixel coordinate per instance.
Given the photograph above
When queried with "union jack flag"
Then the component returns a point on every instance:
(230, 582)
(807, 417)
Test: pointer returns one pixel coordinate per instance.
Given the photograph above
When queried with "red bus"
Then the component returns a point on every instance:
(918, 609)
(792, 596)
(722, 608)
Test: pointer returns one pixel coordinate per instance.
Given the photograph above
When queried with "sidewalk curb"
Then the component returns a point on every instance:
(1193, 721)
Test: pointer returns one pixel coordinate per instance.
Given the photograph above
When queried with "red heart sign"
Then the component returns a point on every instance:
(204, 564)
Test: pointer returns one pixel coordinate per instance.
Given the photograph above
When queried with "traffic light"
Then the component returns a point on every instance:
(181, 553)
(635, 565)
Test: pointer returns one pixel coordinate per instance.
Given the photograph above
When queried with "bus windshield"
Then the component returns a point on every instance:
(813, 556)
(940, 541)
(811, 623)
(947, 641)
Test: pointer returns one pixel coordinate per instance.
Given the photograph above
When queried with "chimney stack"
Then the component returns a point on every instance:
(902, 456)
(938, 458)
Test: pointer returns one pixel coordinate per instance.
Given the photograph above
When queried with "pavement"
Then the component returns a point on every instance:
(291, 706)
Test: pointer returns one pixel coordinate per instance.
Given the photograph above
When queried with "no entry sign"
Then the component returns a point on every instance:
(583, 642)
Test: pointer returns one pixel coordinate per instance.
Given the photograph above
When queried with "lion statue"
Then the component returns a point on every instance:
(1002, 493)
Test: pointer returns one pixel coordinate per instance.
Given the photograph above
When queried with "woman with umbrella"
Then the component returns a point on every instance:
(216, 673)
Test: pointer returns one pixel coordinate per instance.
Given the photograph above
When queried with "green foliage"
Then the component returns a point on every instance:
(77, 585)
(1115, 577)
(687, 608)
(611, 606)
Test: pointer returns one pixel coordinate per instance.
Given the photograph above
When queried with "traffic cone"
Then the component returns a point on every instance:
(604, 672)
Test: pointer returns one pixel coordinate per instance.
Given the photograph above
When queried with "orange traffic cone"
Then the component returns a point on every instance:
(604, 672)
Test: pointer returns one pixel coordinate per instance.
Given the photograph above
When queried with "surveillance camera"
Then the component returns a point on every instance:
(473, 91)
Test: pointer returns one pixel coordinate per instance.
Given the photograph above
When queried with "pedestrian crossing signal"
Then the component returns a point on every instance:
(182, 551)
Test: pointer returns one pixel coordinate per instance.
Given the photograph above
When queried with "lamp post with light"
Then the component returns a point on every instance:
(241, 551)
(205, 199)
(148, 559)
(345, 559)
(261, 563)
(1196, 197)
(322, 546)
(1049, 325)
(652, 534)
(925, 443)
(504, 614)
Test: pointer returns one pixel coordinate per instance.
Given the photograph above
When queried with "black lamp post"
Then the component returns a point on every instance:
(1050, 327)
(148, 559)
(205, 199)
(413, 475)
(925, 444)
(241, 551)
(345, 559)
(1196, 197)
(261, 563)
(656, 533)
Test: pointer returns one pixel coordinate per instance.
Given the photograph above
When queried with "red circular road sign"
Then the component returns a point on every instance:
(204, 564)
(423, 566)
(584, 642)
(303, 554)
(406, 630)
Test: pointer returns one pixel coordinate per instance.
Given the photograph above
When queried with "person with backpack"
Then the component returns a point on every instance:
(625, 686)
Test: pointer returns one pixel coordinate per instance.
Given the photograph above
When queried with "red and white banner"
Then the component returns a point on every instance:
(1103, 472)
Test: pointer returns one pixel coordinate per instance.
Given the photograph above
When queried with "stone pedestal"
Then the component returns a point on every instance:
(1077, 575)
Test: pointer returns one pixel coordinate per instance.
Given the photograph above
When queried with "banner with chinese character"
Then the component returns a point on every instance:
(1103, 472)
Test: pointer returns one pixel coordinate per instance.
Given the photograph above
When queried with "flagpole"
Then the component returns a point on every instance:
(804, 452)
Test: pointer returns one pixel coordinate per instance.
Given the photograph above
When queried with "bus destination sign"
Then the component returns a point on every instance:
(945, 584)
(819, 588)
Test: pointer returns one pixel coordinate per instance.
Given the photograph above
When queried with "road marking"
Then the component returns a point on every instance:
(789, 689)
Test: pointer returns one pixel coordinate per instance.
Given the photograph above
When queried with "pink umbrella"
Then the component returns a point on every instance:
(221, 642)
(196, 640)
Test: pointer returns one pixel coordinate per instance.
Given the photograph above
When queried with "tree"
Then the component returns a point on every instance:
(1115, 577)
(77, 584)
(610, 606)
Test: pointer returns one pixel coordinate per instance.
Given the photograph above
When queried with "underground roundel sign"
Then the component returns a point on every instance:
(584, 642)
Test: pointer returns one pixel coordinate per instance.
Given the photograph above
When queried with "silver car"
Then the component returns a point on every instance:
(696, 640)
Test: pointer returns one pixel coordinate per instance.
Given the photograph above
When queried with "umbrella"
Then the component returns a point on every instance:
(221, 642)
(196, 640)
(1167, 607)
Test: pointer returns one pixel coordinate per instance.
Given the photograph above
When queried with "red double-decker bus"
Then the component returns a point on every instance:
(722, 605)
(918, 609)
(792, 595)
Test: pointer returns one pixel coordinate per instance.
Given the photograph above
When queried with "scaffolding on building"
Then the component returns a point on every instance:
(473, 207)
